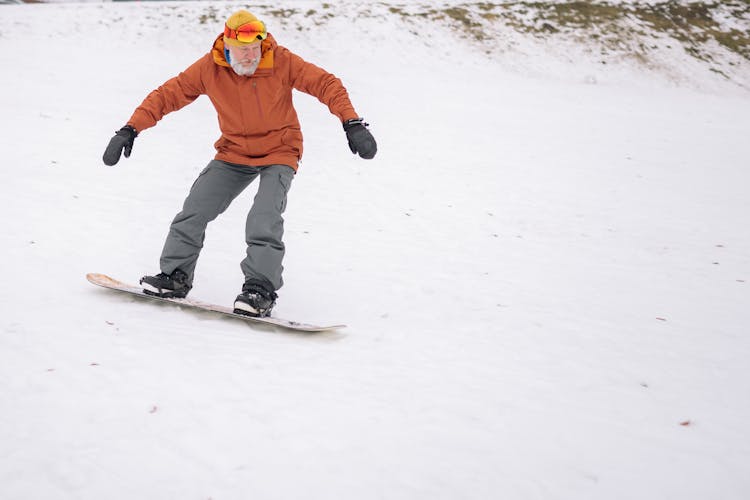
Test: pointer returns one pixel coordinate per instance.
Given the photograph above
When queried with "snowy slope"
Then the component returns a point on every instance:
(546, 280)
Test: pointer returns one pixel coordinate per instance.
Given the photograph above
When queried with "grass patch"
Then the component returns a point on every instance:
(709, 31)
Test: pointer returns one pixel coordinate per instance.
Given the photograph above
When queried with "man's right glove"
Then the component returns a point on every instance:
(360, 139)
(123, 139)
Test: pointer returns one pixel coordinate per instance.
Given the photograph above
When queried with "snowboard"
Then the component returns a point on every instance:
(105, 281)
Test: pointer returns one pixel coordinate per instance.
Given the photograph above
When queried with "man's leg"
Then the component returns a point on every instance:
(265, 227)
(211, 194)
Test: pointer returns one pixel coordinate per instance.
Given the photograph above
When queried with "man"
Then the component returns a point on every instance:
(249, 79)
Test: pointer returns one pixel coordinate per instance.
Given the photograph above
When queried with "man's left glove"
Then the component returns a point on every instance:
(123, 140)
(360, 139)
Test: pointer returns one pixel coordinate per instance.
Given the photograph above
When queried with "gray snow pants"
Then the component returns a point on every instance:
(213, 191)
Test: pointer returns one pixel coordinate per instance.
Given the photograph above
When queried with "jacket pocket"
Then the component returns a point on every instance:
(292, 137)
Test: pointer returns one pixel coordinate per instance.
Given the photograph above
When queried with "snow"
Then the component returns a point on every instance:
(545, 280)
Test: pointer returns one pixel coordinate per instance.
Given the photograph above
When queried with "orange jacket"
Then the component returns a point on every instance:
(258, 123)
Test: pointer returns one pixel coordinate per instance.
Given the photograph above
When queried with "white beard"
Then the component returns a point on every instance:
(244, 68)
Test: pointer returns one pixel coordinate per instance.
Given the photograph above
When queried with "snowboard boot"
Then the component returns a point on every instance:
(256, 299)
(168, 286)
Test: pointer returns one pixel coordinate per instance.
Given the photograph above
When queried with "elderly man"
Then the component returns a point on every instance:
(249, 79)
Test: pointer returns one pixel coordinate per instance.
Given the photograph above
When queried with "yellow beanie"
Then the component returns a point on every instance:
(243, 28)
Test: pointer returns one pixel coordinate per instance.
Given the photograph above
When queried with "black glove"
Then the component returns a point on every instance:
(123, 139)
(360, 139)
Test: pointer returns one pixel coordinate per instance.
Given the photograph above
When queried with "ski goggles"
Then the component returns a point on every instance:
(246, 33)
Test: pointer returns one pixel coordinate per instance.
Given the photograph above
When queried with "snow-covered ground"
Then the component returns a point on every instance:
(546, 279)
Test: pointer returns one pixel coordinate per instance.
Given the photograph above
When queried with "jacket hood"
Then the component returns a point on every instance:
(266, 49)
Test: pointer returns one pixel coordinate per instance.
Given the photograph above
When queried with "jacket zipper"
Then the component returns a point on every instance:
(257, 100)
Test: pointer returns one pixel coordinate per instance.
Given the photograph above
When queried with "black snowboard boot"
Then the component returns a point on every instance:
(169, 286)
(257, 299)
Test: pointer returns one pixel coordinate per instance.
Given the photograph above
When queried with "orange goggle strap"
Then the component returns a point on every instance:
(248, 32)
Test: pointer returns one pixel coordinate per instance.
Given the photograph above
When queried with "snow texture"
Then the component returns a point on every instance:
(544, 273)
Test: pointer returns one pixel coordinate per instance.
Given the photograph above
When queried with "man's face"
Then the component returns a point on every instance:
(244, 59)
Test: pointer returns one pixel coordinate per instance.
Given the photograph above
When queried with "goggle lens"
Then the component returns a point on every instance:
(247, 33)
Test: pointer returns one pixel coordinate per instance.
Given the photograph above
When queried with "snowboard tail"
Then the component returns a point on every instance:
(105, 281)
